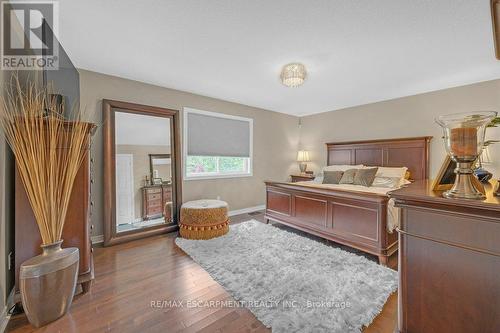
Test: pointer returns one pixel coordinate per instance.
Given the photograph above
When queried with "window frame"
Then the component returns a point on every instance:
(186, 176)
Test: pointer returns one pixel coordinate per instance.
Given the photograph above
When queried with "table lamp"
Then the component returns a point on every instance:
(302, 157)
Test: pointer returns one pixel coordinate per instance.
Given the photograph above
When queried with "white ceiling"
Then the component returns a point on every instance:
(141, 130)
(356, 51)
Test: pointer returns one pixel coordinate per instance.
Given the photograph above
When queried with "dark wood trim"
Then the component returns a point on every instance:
(378, 141)
(376, 240)
(111, 237)
(301, 177)
(412, 153)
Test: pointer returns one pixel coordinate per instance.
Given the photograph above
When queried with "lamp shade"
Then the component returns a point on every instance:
(303, 156)
(293, 75)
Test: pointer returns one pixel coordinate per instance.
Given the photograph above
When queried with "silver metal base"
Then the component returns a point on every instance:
(303, 167)
(457, 195)
(464, 187)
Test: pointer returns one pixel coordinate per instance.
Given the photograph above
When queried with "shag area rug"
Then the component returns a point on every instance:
(292, 283)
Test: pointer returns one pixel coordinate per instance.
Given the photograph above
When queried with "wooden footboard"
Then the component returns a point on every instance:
(350, 218)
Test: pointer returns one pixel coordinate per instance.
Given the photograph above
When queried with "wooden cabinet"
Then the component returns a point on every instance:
(76, 232)
(449, 264)
(301, 178)
(154, 203)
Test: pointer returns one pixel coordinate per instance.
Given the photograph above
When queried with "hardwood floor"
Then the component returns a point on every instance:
(134, 279)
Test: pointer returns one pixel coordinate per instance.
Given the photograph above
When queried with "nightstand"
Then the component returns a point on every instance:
(302, 178)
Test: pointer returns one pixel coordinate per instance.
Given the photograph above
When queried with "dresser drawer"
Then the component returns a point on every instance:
(153, 191)
(154, 203)
(154, 210)
(153, 197)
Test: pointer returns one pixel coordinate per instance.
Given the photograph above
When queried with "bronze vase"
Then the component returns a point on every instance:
(48, 282)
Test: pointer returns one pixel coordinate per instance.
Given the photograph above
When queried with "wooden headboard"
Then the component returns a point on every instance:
(412, 153)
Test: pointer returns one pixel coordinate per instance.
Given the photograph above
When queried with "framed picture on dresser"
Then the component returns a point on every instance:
(446, 177)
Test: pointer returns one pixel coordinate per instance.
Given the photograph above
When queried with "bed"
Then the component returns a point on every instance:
(351, 216)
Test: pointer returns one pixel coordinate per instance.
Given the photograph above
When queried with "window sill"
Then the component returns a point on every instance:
(245, 175)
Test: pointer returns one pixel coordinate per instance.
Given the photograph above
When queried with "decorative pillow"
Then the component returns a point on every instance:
(391, 172)
(365, 177)
(348, 176)
(387, 182)
(332, 177)
(341, 167)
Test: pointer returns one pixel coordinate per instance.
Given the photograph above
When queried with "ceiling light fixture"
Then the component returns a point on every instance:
(293, 75)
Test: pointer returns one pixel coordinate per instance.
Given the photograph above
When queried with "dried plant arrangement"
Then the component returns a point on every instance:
(49, 149)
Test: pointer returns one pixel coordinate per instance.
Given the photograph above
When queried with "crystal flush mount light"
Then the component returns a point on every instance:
(293, 75)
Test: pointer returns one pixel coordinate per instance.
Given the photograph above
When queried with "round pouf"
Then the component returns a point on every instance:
(204, 219)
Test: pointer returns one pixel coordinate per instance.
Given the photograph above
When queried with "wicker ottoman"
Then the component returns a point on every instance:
(204, 219)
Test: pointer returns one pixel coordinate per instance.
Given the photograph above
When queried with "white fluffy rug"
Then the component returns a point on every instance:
(292, 283)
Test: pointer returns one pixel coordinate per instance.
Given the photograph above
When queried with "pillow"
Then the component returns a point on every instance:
(332, 177)
(387, 182)
(341, 167)
(348, 176)
(392, 172)
(365, 177)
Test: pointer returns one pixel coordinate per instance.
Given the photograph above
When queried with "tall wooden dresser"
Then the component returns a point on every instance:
(449, 262)
(77, 228)
(154, 201)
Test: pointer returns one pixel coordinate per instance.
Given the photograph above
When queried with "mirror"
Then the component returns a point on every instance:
(140, 160)
(159, 168)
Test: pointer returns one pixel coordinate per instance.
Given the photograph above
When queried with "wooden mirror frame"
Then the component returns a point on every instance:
(111, 237)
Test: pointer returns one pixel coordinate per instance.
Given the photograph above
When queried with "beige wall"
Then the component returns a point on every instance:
(402, 117)
(142, 168)
(275, 139)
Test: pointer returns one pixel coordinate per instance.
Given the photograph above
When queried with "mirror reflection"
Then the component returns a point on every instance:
(143, 171)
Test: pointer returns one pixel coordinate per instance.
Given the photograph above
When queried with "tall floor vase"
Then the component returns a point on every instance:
(48, 282)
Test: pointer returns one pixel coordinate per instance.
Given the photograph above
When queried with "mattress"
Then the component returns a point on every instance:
(393, 212)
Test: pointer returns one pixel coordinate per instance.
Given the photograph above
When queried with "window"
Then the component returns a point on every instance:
(216, 145)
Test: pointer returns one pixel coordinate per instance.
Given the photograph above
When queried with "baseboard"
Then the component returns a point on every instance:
(246, 210)
(4, 319)
(100, 238)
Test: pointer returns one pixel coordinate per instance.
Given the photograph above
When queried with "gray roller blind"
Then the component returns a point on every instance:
(215, 136)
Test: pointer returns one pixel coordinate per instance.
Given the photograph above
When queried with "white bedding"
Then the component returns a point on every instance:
(393, 213)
